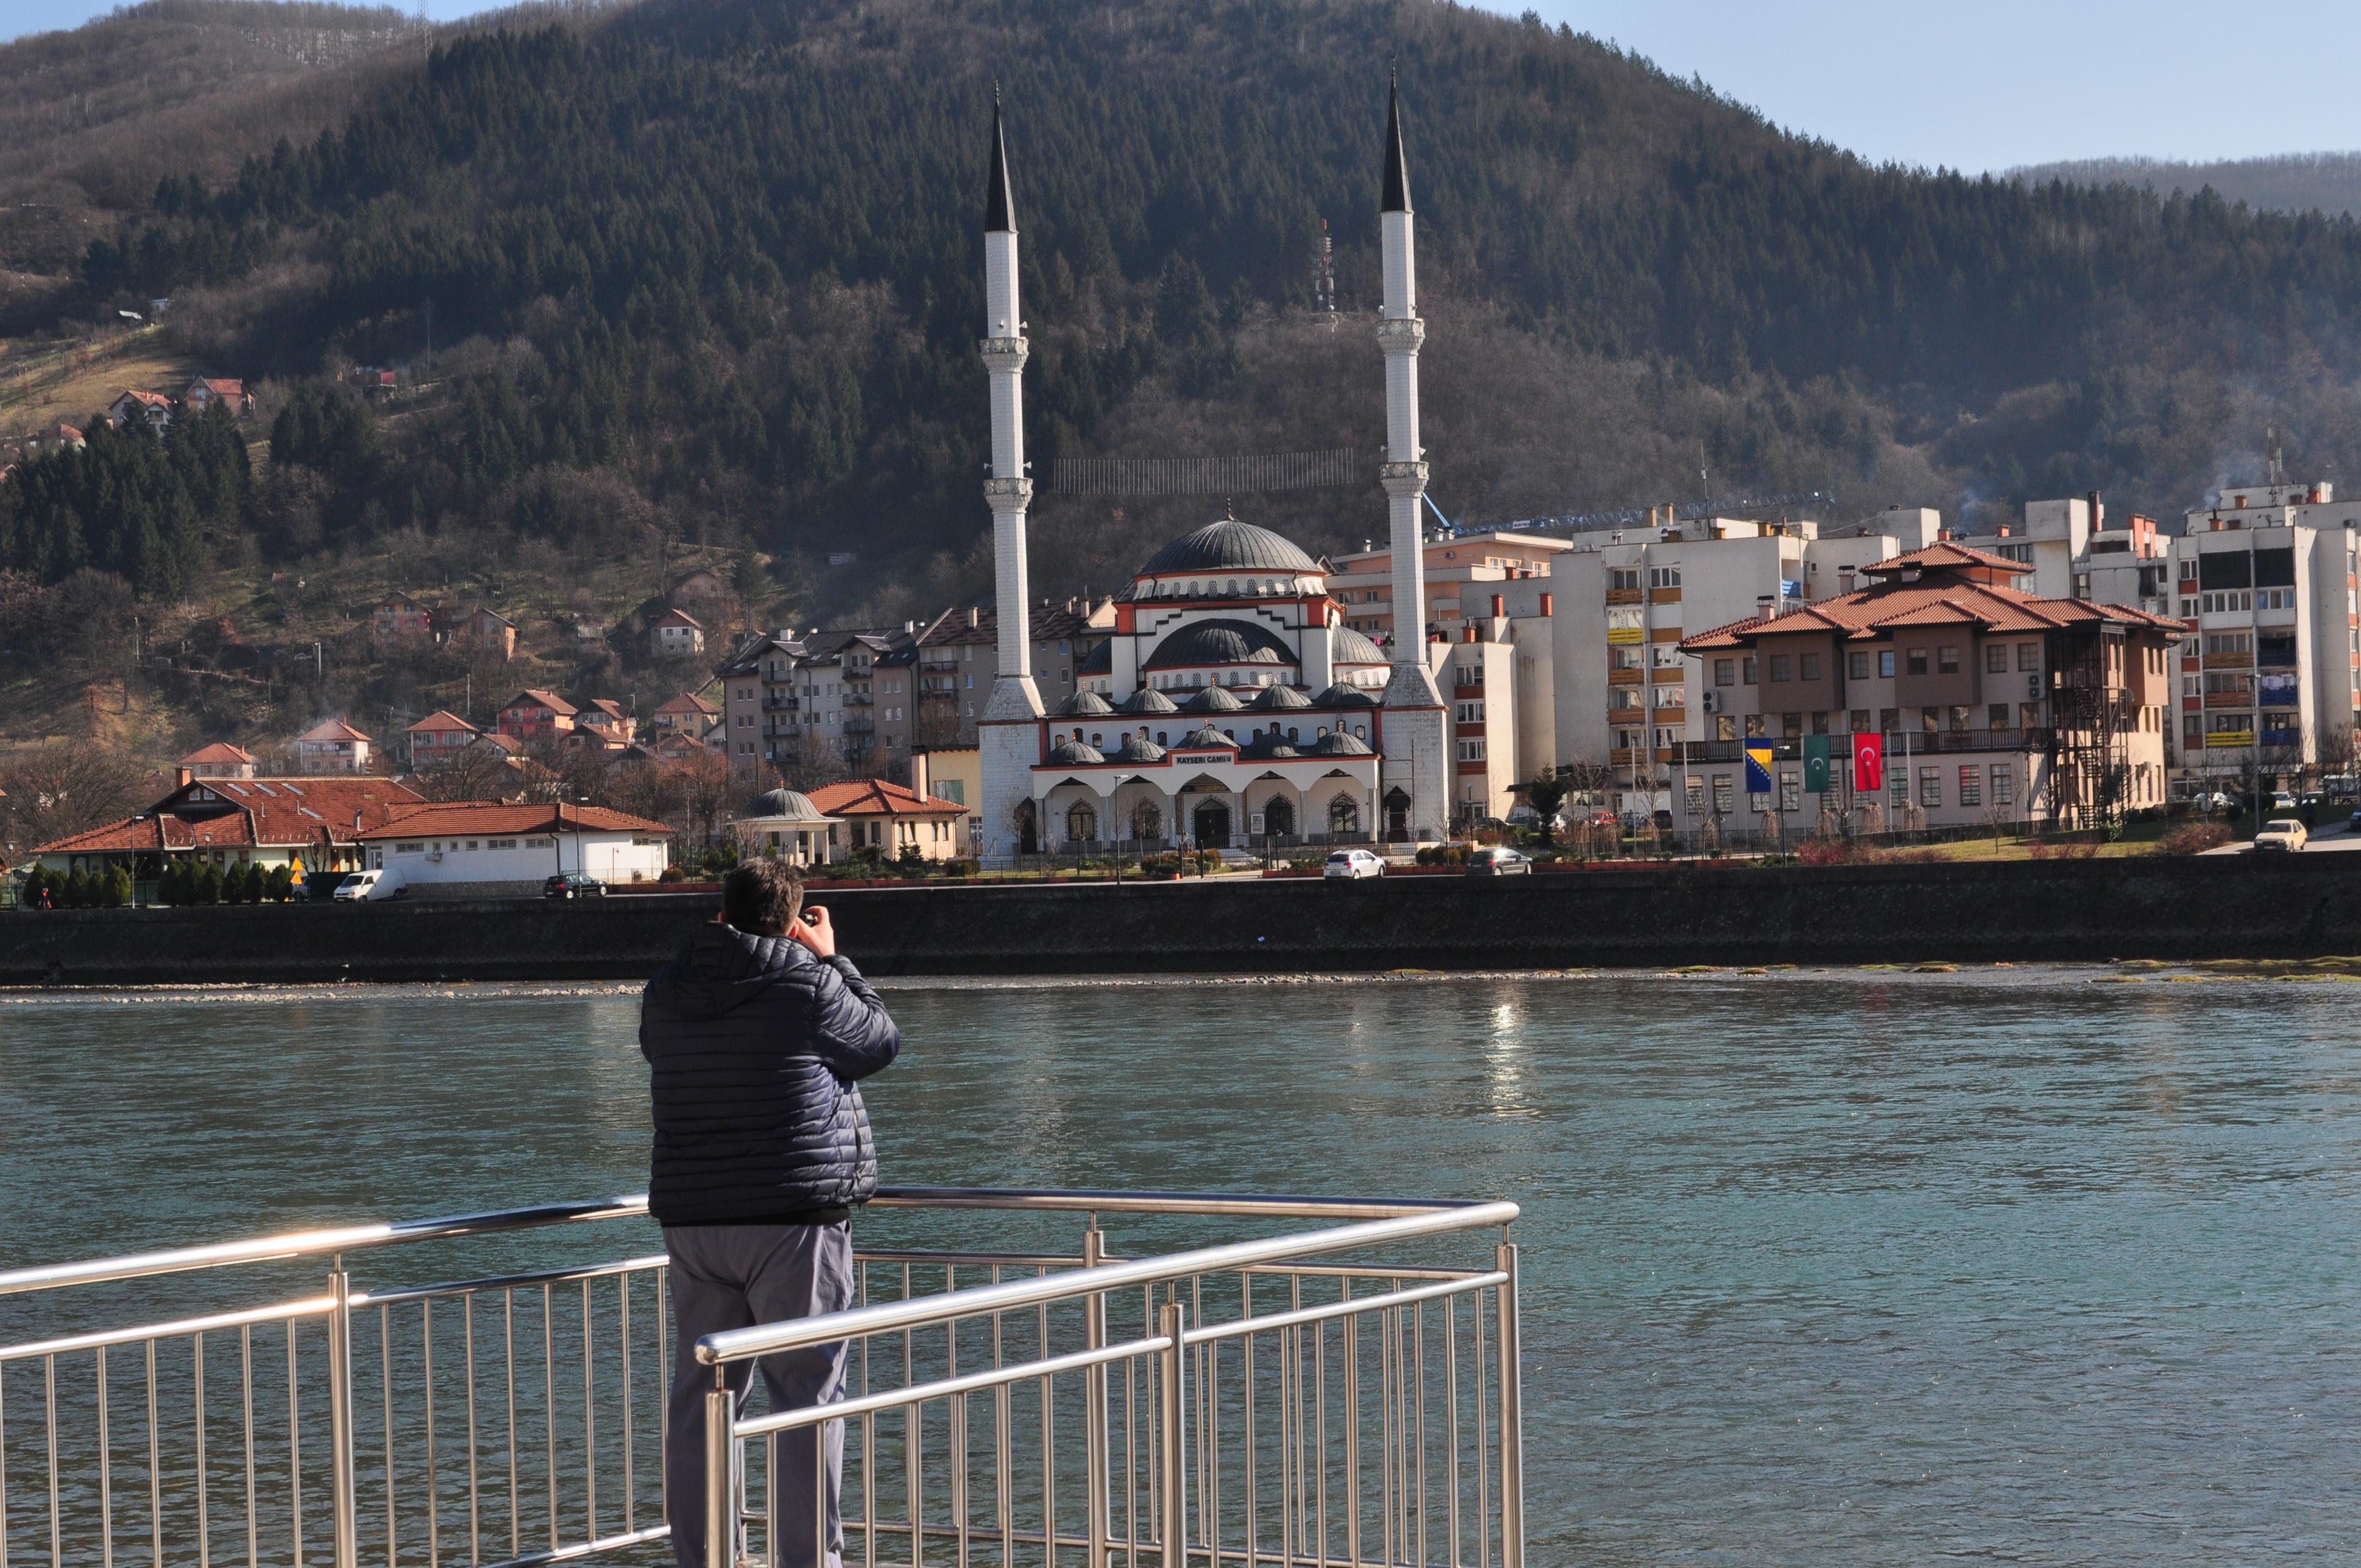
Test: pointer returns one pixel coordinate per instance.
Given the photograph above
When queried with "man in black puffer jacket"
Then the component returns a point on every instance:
(756, 1035)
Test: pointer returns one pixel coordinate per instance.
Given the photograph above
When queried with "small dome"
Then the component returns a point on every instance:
(1337, 743)
(1086, 704)
(1344, 696)
(1204, 739)
(1137, 750)
(1212, 699)
(1274, 697)
(1229, 546)
(1098, 660)
(1346, 646)
(1269, 745)
(1073, 753)
(1212, 643)
(786, 805)
(1147, 699)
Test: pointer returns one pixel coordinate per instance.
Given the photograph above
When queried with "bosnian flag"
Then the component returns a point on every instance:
(1868, 763)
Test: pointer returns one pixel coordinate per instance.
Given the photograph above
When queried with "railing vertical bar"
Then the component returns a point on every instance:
(508, 1364)
(426, 1398)
(1049, 1442)
(958, 1419)
(1351, 1339)
(1148, 1315)
(1004, 1458)
(295, 1445)
(589, 1423)
(1320, 1430)
(1418, 1388)
(474, 1534)
(385, 1381)
(1252, 1452)
(246, 1391)
(204, 1492)
(1483, 1453)
(868, 1443)
(1173, 1526)
(1205, 1392)
(549, 1405)
(1451, 1420)
(914, 1442)
(155, 1468)
(623, 1339)
(1130, 1463)
(1388, 1436)
(1512, 1441)
(106, 1467)
(49, 1400)
(664, 1390)
(1095, 1436)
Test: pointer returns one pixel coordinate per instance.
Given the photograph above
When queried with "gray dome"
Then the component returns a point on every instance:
(1337, 743)
(1137, 750)
(1229, 546)
(1347, 646)
(1344, 696)
(787, 805)
(1202, 739)
(1279, 697)
(1086, 704)
(1269, 745)
(1220, 642)
(1147, 699)
(1073, 753)
(1212, 699)
(1098, 660)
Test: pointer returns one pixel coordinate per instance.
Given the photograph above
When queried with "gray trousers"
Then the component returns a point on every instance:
(733, 1277)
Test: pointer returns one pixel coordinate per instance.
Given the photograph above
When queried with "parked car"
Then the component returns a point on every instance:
(1498, 859)
(573, 885)
(2356, 824)
(1352, 865)
(2284, 833)
(371, 887)
(2215, 801)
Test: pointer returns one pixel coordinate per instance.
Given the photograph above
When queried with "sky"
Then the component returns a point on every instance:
(1986, 85)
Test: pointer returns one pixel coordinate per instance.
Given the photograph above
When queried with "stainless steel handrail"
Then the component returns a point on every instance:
(355, 1238)
(861, 1322)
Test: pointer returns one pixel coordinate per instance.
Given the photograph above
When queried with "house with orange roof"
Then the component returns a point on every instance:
(231, 394)
(487, 848)
(332, 746)
(687, 714)
(134, 409)
(439, 737)
(1976, 702)
(535, 715)
(677, 631)
(306, 824)
(487, 631)
(219, 760)
(605, 720)
(891, 817)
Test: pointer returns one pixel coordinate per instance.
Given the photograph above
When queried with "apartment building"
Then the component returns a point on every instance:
(1462, 571)
(2267, 585)
(1621, 693)
(1990, 703)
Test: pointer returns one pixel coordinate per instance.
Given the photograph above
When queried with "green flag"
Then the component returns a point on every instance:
(1816, 764)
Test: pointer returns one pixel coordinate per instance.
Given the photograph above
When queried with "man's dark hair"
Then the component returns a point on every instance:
(761, 897)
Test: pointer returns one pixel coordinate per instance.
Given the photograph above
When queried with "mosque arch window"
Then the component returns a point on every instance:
(1082, 823)
(1361, 732)
(1160, 738)
(1344, 815)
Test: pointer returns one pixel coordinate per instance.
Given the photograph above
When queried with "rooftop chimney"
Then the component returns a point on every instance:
(1467, 634)
(1499, 606)
(974, 617)
(180, 778)
(1545, 604)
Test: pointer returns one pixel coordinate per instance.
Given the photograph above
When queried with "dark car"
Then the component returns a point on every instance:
(573, 885)
(2356, 824)
(1498, 859)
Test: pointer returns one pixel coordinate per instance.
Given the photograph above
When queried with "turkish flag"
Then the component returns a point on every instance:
(1868, 763)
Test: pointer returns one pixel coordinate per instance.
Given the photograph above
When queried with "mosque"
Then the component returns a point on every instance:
(1232, 702)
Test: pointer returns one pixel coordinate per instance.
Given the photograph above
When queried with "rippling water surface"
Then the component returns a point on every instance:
(1822, 1268)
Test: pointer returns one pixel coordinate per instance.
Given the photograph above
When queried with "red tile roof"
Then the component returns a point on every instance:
(332, 729)
(488, 816)
(222, 386)
(688, 702)
(249, 814)
(146, 399)
(678, 618)
(876, 797)
(219, 752)
(533, 696)
(1941, 554)
(443, 718)
(1951, 591)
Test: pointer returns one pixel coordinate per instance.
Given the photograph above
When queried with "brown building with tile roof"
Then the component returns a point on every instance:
(219, 760)
(891, 817)
(1991, 704)
(312, 824)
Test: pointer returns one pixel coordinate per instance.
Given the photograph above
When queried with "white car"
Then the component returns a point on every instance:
(2284, 833)
(370, 887)
(1352, 865)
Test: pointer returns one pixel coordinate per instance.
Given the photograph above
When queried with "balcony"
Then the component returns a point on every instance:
(1201, 1320)
(858, 699)
(1623, 596)
(1620, 677)
(774, 701)
(1663, 596)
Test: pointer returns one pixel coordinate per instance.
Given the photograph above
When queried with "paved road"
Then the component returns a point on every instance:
(2331, 836)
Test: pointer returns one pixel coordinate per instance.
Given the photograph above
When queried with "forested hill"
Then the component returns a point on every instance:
(712, 268)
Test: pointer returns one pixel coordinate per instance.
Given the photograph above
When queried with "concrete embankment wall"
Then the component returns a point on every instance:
(2241, 906)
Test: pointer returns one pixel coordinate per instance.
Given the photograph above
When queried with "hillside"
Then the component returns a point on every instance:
(703, 277)
(2293, 182)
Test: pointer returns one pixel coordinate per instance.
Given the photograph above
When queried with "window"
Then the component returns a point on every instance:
(1859, 720)
(418, 849)
(1781, 665)
(1956, 718)
(1471, 751)
(1725, 672)
(1628, 658)
(2029, 716)
(1885, 664)
(1791, 725)
(1997, 719)
(1971, 790)
(1721, 791)
(1885, 717)
(1725, 728)
(1917, 660)
(1470, 712)
(1930, 787)
(1791, 790)
(2028, 655)
(1811, 667)
(1997, 658)
(1746, 670)
(2004, 784)
(2275, 598)
(2229, 642)
(1667, 738)
(1696, 794)
(1947, 659)
(1671, 696)
(1754, 730)
(1619, 579)
(1857, 667)
(1820, 723)
(1663, 577)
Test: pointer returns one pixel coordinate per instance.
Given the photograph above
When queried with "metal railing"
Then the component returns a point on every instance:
(1314, 1398)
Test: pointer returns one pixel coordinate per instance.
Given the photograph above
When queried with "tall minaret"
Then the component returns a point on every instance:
(1009, 732)
(1416, 754)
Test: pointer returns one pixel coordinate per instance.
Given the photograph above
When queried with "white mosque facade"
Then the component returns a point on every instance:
(1232, 705)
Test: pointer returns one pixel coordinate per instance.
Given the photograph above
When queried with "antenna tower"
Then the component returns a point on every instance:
(1323, 277)
(2273, 456)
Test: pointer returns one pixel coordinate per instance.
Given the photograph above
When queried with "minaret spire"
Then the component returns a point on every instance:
(1415, 745)
(1009, 731)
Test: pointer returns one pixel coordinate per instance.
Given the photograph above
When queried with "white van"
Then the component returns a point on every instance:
(370, 886)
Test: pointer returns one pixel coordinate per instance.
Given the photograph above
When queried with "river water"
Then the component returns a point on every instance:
(2031, 1265)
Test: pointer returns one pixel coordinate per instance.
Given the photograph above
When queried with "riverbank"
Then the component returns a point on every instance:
(2173, 908)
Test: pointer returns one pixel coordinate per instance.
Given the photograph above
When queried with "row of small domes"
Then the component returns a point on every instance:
(1070, 753)
(1213, 699)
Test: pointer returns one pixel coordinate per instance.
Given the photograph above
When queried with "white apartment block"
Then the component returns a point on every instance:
(1462, 572)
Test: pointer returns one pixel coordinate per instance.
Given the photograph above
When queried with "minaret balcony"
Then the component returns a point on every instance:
(1401, 335)
(1004, 353)
(1009, 494)
(1402, 479)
